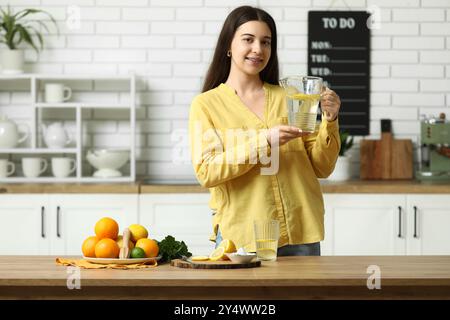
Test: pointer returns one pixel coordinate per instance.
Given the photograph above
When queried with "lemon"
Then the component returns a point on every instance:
(217, 254)
(228, 245)
(137, 232)
(120, 242)
(200, 258)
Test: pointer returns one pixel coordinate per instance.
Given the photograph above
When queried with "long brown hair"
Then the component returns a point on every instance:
(220, 66)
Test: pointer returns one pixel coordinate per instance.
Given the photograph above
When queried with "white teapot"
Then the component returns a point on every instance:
(55, 136)
(9, 133)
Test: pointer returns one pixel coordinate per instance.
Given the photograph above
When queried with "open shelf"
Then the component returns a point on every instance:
(37, 150)
(84, 105)
(65, 180)
(35, 147)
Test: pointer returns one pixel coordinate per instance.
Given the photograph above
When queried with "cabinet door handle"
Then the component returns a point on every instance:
(42, 222)
(58, 213)
(415, 222)
(399, 221)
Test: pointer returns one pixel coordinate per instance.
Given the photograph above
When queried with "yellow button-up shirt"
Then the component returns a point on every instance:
(232, 166)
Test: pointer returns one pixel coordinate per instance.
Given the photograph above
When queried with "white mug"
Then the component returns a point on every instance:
(63, 167)
(7, 168)
(33, 167)
(56, 92)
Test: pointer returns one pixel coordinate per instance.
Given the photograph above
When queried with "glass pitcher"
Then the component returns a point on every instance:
(303, 97)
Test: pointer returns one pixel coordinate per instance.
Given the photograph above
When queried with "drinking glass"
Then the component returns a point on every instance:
(267, 233)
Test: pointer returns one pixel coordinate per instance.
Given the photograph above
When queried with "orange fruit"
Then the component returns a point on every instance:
(106, 228)
(88, 247)
(150, 247)
(107, 248)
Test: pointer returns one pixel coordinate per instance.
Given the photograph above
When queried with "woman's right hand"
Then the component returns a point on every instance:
(284, 134)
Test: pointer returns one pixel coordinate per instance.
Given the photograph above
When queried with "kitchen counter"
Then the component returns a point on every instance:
(327, 277)
(70, 188)
(352, 186)
(383, 186)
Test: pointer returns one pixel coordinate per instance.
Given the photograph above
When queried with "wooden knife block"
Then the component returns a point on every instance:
(386, 159)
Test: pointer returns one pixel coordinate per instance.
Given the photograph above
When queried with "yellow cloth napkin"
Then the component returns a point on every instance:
(89, 265)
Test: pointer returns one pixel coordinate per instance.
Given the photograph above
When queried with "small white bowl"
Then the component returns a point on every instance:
(241, 258)
(108, 161)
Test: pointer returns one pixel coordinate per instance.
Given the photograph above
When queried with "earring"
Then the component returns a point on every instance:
(229, 53)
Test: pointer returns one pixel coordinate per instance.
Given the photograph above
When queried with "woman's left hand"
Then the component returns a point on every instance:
(330, 104)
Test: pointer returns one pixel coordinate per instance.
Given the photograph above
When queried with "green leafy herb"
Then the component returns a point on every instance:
(170, 249)
(346, 142)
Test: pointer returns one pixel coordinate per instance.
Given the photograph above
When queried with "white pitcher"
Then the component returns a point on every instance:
(9, 133)
(55, 136)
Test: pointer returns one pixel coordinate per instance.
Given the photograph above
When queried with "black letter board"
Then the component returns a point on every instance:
(339, 52)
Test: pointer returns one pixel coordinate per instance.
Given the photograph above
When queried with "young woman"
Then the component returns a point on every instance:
(241, 94)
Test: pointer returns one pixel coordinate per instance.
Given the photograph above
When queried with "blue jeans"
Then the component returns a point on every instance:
(307, 249)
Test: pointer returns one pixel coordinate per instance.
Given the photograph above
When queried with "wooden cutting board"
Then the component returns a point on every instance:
(213, 264)
(387, 158)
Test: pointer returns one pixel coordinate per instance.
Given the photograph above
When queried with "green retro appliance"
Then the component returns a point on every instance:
(435, 149)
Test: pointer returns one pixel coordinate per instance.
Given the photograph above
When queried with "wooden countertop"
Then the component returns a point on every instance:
(384, 186)
(70, 188)
(352, 186)
(406, 277)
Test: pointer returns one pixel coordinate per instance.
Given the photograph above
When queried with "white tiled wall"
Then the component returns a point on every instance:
(169, 43)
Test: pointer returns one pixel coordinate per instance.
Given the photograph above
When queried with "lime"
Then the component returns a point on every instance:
(137, 253)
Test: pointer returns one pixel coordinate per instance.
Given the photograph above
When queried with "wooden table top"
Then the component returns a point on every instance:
(421, 274)
(339, 270)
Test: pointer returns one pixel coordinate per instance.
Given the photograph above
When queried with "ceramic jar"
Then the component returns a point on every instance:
(9, 133)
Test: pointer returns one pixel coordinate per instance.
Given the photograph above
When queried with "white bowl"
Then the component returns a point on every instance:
(241, 258)
(108, 161)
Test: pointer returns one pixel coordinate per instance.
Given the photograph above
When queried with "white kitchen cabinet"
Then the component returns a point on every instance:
(365, 224)
(428, 224)
(355, 224)
(326, 246)
(187, 217)
(24, 225)
(57, 224)
(385, 224)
